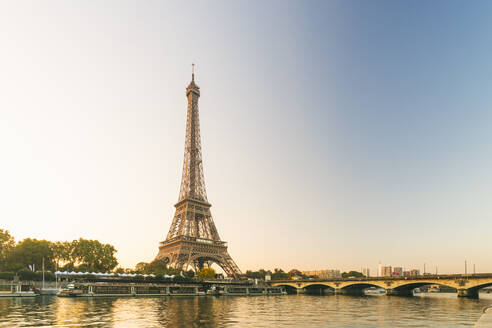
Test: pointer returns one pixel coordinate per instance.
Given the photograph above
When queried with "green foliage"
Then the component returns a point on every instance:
(206, 273)
(141, 267)
(31, 252)
(260, 274)
(78, 255)
(6, 275)
(62, 253)
(92, 256)
(7, 243)
(48, 276)
(354, 274)
(157, 267)
(181, 279)
(279, 274)
(26, 274)
(120, 270)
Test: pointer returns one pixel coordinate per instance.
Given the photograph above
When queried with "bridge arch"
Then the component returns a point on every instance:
(318, 284)
(289, 288)
(476, 288)
(361, 285)
(357, 288)
(319, 289)
(410, 286)
(198, 262)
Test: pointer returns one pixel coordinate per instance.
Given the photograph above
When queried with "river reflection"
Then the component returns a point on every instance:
(431, 310)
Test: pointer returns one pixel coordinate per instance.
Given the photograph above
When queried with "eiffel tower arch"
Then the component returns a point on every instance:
(193, 240)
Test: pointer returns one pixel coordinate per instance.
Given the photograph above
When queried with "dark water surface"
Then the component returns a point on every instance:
(431, 310)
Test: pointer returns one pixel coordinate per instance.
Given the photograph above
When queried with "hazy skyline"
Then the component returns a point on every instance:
(335, 134)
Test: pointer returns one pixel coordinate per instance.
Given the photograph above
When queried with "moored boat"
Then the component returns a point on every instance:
(99, 289)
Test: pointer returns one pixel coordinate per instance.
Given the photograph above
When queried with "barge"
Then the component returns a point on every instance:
(245, 291)
(129, 289)
(154, 289)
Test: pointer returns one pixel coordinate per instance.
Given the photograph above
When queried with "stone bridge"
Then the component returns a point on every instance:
(466, 285)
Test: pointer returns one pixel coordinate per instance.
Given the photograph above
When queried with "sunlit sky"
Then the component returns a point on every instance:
(335, 134)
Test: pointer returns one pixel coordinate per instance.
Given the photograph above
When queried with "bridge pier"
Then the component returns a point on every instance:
(399, 292)
(468, 293)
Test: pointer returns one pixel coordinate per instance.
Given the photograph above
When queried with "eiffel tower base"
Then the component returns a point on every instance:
(184, 252)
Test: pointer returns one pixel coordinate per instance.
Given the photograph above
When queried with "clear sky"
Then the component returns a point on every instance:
(335, 134)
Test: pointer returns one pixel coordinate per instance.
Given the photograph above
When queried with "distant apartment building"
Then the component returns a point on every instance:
(397, 272)
(366, 272)
(414, 272)
(386, 271)
(323, 274)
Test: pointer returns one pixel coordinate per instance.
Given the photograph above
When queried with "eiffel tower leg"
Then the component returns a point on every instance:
(173, 260)
(196, 266)
(227, 264)
(188, 262)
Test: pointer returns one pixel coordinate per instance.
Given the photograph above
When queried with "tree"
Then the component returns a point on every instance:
(142, 267)
(354, 274)
(158, 266)
(62, 254)
(91, 255)
(279, 274)
(119, 270)
(7, 244)
(31, 252)
(206, 273)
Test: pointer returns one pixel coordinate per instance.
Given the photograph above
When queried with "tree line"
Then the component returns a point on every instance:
(77, 255)
(277, 274)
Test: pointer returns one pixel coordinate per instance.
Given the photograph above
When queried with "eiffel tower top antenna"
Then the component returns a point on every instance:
(192, 71)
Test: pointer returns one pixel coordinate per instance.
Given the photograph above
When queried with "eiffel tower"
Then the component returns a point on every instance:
(193, 239)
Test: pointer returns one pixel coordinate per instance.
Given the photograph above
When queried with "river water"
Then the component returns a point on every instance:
(427, 310)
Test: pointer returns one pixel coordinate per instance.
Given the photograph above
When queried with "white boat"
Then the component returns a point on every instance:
(375, 291)
(49, 291)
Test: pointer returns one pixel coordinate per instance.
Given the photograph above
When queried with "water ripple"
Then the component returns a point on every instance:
(437, 310)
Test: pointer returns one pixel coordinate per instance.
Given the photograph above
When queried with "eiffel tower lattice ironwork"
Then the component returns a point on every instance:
(193, 240)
